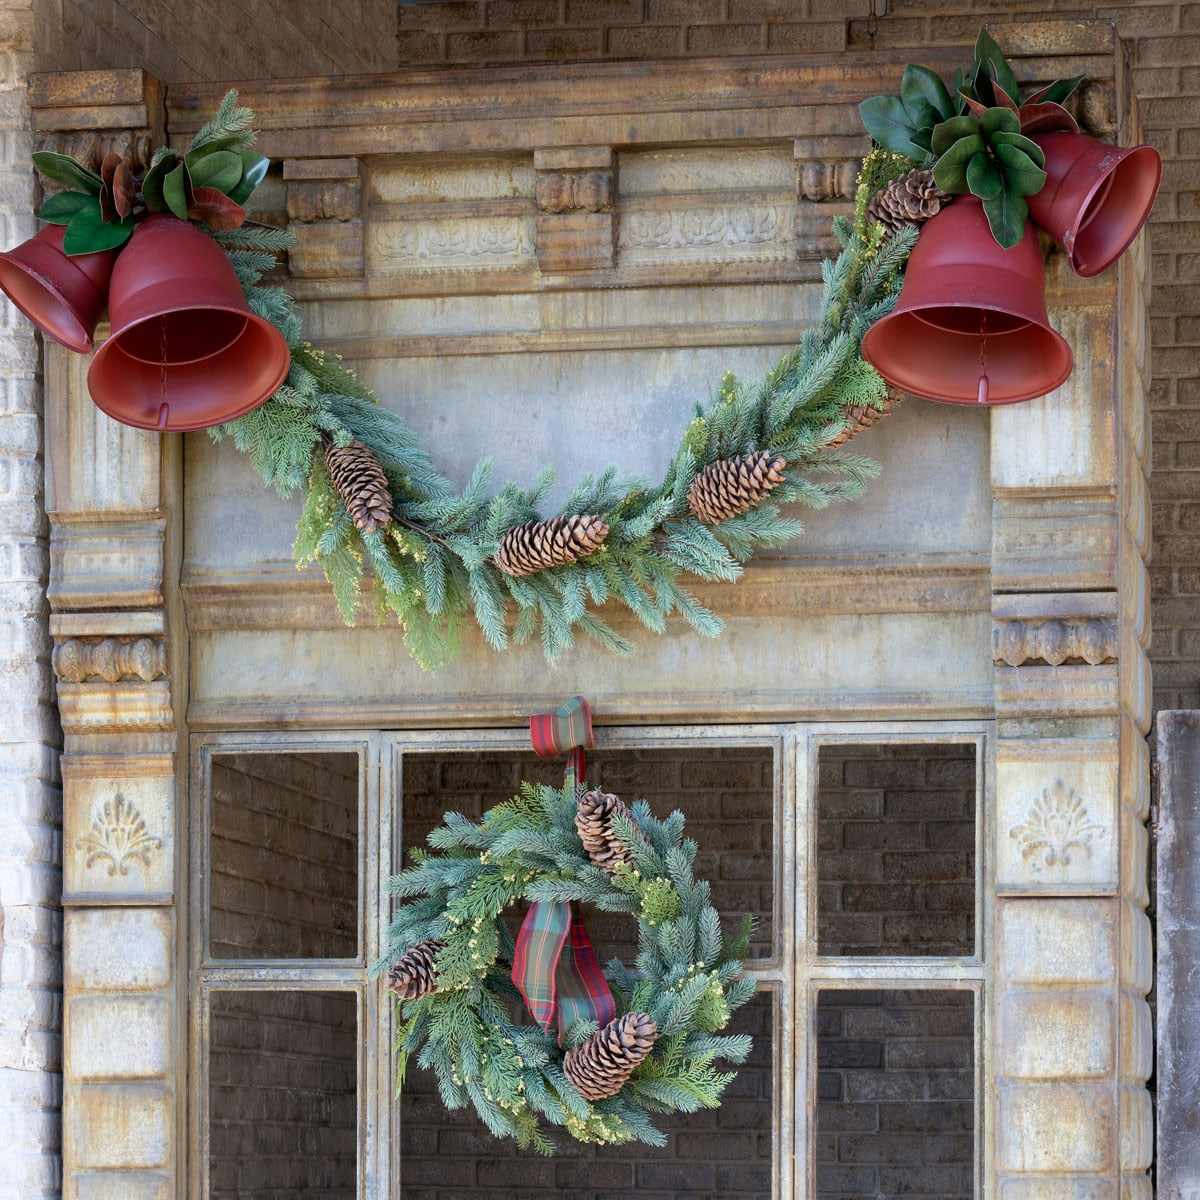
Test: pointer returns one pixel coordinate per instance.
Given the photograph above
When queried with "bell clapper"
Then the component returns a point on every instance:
(982, 395)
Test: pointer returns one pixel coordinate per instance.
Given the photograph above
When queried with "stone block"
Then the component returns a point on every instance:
(125, 1185)
(1050, 1127)
(119, 837)
(1135, 1046)
(109, 949)
(1059, 940)
(1055, 1033)
(119, 1037)
(1059, 1187)
(1056, 817)
(1137, 1129)
(120, 1125)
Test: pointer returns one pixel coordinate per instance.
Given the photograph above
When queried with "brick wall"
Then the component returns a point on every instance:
(31, 811)
(483, 32)
(895, 1109)
(283, 1113)
(896, 850)
(724, 1155)
(284, 856)
(183, 40)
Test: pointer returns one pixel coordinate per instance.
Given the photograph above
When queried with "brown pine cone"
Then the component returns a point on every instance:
(593, 819)
(359, 479)
(909, 200)
(861, 417)
(540, 544)
(734, 485)
(414, 974)
(600, 1066)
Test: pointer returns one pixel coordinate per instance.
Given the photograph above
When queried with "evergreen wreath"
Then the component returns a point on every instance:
(439, 558)
(452, 956)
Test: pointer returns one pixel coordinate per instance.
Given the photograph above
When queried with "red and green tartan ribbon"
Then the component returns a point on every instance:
(554, 965)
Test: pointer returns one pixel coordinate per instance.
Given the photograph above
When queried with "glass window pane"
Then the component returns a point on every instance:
(896, 849)
(284, 855)
(895, 1111)
(282, 1103)
(710, 1155)
(726, 794)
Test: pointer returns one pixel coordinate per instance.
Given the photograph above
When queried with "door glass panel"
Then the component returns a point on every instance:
(895, 1111)
(284, 856)
(896, 849)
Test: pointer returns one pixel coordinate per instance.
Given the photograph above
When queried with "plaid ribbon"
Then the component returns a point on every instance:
(554, 965)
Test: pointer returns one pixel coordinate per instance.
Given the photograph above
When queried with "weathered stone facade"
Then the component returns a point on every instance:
(1016, 595)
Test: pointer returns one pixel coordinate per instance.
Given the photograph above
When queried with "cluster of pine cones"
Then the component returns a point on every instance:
(909, 200)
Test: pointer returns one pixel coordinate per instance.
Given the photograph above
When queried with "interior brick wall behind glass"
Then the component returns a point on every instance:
(284, 859)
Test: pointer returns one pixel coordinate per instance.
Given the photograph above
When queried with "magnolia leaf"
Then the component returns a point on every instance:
(108, 170)
(254, 169)
(177, 191)
(951, 131)
(999, 120)
(986, 51)
(983, 177)
(950, 171)
(215, 209)
(124, 191)
(63, 169)
(921, 114)
(1056, 92)
(222, 171)
(1001, 99)
(152, 185)
(888, 123)
(224, 145)
(88, 232)
(59, 209)
(1021, 174)
(1007, 215)
(1022, 143)
(924, 139)
(974, 107)
(1047, 118)
(920, 83)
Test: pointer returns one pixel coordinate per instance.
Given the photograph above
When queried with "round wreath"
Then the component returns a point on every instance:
(451, 957)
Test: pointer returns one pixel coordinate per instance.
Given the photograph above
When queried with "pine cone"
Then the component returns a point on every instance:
(600, 1066)
(359, 479)
(540, 544)
(734, 485)
(414, 974)
(593, 819)
(861, 417)
(909, 200)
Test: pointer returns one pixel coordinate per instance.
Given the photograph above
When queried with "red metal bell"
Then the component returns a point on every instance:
(62, 294)
(970, 326)
(185, 352)
(1096, 197)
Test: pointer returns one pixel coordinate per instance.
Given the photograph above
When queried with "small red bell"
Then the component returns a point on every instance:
(1096, 197)
(970, 326)
(62, 294)
(185, 351)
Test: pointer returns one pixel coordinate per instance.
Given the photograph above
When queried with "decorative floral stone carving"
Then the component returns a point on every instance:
(118, 834)
(112, 659)
(1057, 825)
(1016, 643)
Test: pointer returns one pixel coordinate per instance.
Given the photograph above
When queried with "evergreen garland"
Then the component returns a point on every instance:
(686, 976)
(433, 566)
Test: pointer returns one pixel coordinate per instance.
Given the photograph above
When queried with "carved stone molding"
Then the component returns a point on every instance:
(1020, 641)
(90, 146)
(118, 837)
(325, 211)
(818, 180)
(112, 659)
(575, 193)
(1057, 828)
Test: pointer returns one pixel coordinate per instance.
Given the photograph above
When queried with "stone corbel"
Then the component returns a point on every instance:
(575, 193)
(826, 171)
(325, 214)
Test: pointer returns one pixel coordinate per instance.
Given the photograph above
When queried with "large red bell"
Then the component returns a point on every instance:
(185, 352)
(970, 326)
(1096, 197)
(62, 294)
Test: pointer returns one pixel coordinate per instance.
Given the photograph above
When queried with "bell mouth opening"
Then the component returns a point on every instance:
(186, 336)
(1116, 211)
(969, 320)
(40, 302)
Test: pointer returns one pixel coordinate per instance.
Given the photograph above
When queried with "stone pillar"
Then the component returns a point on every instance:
(112, 545)
(1072, 941)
